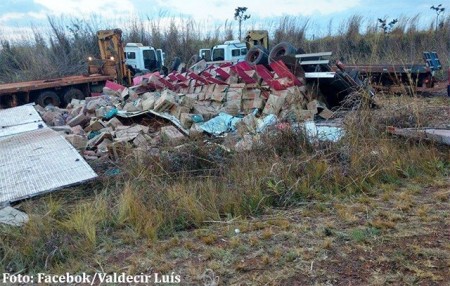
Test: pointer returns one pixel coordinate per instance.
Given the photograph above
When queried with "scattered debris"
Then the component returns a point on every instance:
(214, 98)
(237, 100)
(323, 132)
(171, 134)
(220, 124)
(441, 136)
(11, 216)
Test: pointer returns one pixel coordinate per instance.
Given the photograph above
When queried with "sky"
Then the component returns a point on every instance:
(18, 16)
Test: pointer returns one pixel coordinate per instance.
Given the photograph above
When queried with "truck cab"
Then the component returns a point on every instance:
(229, 51)
(205, 54)
(143, 58)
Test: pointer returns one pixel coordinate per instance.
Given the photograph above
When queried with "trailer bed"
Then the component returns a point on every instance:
(389, 68)
(27, 86)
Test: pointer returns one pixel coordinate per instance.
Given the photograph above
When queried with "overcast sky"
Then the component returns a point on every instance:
(17, 16)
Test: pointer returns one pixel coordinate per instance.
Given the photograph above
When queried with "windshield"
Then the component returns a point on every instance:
(218, 54)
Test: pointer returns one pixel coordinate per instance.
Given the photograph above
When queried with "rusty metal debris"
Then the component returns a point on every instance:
(438, 135)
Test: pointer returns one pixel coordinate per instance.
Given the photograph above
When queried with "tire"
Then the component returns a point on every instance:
(257, 55)
(48, 97)
(282, 49)
(72, 93)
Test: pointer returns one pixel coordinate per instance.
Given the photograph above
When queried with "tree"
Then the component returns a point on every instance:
(387, 28)
(239, 14)
(439, 9)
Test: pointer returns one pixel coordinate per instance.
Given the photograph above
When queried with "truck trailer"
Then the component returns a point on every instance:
(116, 63)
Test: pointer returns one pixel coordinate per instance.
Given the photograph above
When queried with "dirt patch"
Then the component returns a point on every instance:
(396, 236)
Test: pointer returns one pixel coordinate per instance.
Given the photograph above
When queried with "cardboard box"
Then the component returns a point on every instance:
(274, 104)
(165, 102)
(171, 134)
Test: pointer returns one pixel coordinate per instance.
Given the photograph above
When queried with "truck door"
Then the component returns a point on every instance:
(205, 54)
(130, 59)
(160, 54)
(236, 54)
(150, 60)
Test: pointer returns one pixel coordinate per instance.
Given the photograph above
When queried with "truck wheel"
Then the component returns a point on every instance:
(257, 55)
(73, 93)
(48, 97)
(282, 49)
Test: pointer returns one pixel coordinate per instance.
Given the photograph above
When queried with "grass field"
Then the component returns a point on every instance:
(371, 209)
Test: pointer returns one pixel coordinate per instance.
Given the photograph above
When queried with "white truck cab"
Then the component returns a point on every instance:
(229, 51)
(143, 58)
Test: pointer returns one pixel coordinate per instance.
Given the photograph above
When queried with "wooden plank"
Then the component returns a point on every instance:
(282, 71)
(245, 77)
(223, 74)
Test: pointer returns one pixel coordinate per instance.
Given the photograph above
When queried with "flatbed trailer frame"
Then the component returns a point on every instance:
(387, 75)
(51, 91)
(395, 76)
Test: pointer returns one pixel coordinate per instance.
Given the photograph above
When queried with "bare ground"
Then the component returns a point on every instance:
(395, 236)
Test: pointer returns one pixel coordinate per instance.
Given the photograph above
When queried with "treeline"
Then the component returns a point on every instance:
(63, 48)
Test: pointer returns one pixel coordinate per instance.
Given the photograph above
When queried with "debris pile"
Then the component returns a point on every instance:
(233, 100)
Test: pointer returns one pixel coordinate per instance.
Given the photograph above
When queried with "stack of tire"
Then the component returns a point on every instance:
(258, 55)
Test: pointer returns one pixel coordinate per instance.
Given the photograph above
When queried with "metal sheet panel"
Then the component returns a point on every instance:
(323, 54)
(439, 135)
(320, 74)
(175, 121)
(37, 162)
(19, 119)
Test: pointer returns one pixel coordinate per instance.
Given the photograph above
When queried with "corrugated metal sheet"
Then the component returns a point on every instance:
(37, 161)
(19, 119)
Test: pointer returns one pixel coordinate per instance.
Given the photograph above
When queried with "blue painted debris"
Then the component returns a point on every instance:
(220, 124)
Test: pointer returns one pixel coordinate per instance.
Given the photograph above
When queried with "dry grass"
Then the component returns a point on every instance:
(179, 212)
(63, 50)
(359, 190)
